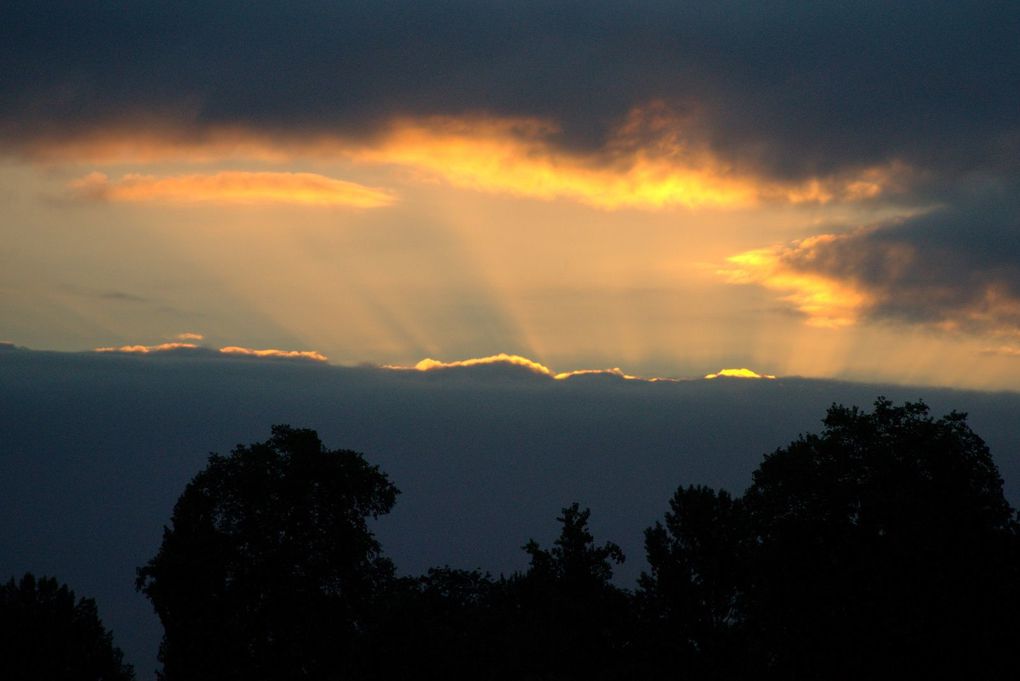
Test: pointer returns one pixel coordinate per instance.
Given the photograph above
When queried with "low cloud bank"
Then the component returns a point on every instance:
(507, 360)
(228, 351)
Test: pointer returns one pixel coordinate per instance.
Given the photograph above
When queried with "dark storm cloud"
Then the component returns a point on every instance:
(795, 88)
(957, 266)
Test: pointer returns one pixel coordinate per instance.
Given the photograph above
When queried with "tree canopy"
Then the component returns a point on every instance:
(562, 618)
(689, 596)
(881, 546)
(269, 569)
(45, 633)
(573, 620)
(884, 544)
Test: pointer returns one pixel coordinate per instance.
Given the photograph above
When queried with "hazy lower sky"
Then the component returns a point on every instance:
(824, 189)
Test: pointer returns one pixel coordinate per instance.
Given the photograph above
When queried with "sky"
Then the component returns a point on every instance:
(822, 189)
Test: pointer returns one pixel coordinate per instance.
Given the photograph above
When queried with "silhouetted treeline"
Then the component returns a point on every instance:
(46, 634)
(882, 547)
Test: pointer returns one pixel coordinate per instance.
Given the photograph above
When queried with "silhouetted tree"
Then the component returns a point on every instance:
(448, 624)
(882, 547)
(46, 634)
(574, 562)
(561, 619)
(269, 570)
(572, 622)
(689, 598)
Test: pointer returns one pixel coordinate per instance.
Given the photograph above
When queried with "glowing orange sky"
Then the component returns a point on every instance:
(479, 236)
(825, 301)
(640, 167)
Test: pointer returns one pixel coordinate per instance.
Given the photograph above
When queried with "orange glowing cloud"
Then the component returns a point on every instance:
(147, 349)
(233, 187)
(524, 362)
(738, 373)
(615, 371)
(429, 364)
(230, 350)
(514, 157)
(1003, 351)
(274, 353)
(646, 165)
(826, 301)
(189, 335)
(653, 160)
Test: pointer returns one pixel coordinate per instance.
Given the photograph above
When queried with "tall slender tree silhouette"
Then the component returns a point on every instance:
(689, 597)
(573, 621)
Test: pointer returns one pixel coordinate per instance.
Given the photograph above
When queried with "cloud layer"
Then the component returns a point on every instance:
(234, 187)
(274, 353)
(229, 350)
(644, 163)
(148, 349)
(516, 361)
(955, 268)
(797, 90)
(737, 373)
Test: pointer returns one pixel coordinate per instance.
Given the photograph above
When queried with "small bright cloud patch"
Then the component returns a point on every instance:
(738, 373)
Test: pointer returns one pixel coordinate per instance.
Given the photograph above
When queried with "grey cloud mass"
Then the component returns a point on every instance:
(792, 88)
(957, 266)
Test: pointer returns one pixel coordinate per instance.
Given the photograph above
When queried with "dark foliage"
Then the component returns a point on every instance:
(269, 570)
(561, 619)
(46, 634)
(882, 547)
(571, 621)
(448, 624)
(883, 544)
(688, 600)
